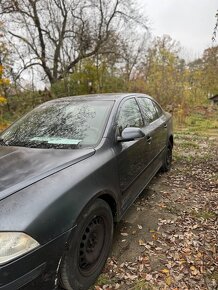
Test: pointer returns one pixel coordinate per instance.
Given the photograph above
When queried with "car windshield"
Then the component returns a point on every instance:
(60, 125)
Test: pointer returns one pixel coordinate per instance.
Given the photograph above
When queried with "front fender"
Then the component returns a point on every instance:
(51, 206)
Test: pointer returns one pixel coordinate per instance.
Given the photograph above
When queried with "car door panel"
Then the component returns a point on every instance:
(132, 156)
(132, 161)
(137, 185)
(155, 119)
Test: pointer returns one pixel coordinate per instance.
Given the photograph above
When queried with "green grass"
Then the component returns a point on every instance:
(189, 145)
(142, 285)
(201, 123)
(103, 279)
(178, 157)
(204, 214)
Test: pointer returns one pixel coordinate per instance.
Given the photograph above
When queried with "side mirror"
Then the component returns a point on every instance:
(130, 134)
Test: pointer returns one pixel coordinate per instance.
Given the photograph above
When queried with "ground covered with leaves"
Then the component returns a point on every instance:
(169, 238)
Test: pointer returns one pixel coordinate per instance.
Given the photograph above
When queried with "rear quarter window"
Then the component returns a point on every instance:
(149, 110)
(158, 109)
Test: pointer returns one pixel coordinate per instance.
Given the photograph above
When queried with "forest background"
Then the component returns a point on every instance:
(51, 49)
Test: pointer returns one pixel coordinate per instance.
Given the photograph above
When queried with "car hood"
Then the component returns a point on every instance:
(20, 167)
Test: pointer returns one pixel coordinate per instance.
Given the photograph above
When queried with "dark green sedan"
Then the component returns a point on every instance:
(69, 170)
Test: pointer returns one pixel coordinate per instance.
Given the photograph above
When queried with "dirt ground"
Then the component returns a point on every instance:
(168, 239)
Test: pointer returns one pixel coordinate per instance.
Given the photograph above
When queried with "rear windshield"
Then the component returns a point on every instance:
(60, 125)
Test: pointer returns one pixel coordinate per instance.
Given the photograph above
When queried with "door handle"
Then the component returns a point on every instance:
(149, 138)
(165, 125)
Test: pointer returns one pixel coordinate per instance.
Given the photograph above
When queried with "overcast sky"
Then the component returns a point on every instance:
(191, 22)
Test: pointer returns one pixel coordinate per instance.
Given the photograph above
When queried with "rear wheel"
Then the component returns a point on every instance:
(168, 158)
(88, 248)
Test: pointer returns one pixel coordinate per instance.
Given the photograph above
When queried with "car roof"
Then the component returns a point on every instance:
(96, 97)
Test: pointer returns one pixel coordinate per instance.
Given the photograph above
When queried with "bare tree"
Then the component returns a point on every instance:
(215, 28)
(132, 53)
(3, 44)
(55, 35)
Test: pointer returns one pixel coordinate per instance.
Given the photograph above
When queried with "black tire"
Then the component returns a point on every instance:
(168, 157)
(88, 247)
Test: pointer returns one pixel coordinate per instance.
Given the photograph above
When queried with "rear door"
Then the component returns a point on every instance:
(156, 126)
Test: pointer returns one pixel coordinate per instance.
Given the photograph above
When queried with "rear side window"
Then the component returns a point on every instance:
(129, 115)
(149, 110)
(158, 108)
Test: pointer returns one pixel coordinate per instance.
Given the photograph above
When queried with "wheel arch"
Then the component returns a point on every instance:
(171, 140)
(103, 195)
(107, 196)
(110, 200)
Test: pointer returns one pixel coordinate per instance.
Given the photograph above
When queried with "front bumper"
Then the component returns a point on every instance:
(35, 270)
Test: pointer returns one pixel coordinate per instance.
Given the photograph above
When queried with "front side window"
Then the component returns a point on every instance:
(129, 115)
(149, 111)
(60, 125)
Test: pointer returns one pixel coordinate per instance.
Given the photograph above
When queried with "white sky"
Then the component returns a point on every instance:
(191, 22)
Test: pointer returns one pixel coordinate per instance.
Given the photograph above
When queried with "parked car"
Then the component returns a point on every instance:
(69, 170)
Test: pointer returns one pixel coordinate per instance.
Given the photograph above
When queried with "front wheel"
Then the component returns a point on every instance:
(88, 247)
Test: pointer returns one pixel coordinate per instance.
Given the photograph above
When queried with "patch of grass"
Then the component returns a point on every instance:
(203, 214)
(200, 123)
(173, 209)
(103, 279)
(202, 120)
(179, 157)
(183, 134)
(142, 285)
(189, 144)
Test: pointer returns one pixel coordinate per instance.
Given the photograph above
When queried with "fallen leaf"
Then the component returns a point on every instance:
(168, 280)
(148, 277)
(194, 271)
(124, 234)
(142, 243)
(165, 271)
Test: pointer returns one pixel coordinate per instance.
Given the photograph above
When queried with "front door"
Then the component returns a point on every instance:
(132, 156)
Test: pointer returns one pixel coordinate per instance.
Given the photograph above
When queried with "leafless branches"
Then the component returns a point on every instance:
(57, 34)
(215, 28)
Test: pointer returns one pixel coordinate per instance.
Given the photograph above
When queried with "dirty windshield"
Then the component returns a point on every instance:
(60, 125)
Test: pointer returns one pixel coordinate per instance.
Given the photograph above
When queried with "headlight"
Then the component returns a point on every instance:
(13, 245)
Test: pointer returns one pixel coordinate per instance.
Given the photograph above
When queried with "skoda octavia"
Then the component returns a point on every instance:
(69, 170)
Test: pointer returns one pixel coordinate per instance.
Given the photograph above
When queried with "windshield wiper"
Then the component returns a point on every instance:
(29, 144)
(41, 144)
(19, 143)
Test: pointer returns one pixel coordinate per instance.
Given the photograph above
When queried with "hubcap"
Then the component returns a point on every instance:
(91, 244)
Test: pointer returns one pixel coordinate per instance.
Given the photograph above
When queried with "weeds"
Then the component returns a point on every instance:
(142, 285)
(203, 214)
